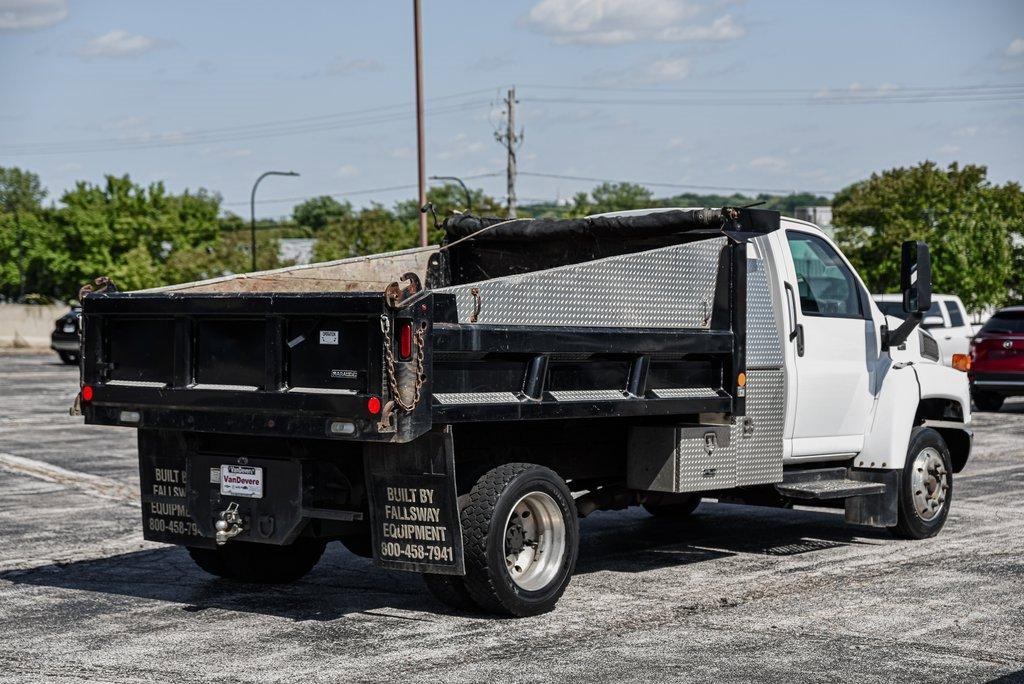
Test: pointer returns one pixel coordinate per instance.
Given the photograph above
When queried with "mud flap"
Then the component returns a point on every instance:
(414, 510)
(163, 476)
(875, 510)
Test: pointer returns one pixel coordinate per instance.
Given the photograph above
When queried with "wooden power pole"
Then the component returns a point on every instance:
(510, 139)
(418, 30)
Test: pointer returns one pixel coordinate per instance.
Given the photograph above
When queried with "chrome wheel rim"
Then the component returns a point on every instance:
(929, 482)
(534, 541)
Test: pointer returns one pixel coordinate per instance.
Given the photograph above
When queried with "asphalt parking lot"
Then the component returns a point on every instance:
(735, 594)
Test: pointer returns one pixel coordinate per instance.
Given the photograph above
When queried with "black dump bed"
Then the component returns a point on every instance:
(326, 353)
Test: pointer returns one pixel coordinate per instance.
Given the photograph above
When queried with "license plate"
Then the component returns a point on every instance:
(69, 328)
(245, 481)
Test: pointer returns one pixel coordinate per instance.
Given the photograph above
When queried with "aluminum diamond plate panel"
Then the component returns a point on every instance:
(759, 452)
(764, 347)
(684, 392)
(588, 395)
(671, 287)
(476, 398)
(699, 470)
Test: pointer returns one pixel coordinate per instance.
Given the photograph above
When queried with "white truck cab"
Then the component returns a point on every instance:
(847, 385)
(946, 320)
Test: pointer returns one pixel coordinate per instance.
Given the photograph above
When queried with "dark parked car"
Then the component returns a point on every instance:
(997, 359)
(64, 339)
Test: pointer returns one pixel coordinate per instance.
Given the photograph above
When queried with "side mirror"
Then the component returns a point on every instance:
(916, 284)
(916, 277)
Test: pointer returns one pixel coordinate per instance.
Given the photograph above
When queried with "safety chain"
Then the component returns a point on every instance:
(389, 358)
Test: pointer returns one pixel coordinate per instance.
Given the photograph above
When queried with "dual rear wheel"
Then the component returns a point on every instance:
(520, 531)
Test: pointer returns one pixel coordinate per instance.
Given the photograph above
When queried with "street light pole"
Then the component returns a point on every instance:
(252, 209)
(418, 39)
(465, 190)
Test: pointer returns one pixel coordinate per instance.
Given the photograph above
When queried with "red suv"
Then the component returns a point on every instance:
(997, 359)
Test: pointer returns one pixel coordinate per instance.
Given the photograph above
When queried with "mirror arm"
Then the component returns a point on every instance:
(895, 338)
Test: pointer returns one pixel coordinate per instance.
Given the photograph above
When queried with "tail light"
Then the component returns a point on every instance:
(962, 362)
(87, 393)
(405, 340)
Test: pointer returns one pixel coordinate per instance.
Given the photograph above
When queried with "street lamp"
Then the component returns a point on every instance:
(252, 208)
(469, 198)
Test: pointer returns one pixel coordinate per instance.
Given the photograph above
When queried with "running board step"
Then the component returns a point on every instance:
(828, 483)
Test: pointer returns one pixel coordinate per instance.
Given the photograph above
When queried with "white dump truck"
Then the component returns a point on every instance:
(454, 410)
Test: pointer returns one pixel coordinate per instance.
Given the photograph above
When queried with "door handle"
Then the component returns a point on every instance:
(948, 337)
(797, 333)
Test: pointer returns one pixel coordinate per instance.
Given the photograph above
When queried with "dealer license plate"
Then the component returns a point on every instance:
(236, 480)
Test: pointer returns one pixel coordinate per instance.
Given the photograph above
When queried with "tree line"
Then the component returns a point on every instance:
(146, 236)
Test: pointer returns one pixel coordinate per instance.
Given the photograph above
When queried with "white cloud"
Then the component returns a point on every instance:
(31, 14)
(615, 22)
(126, 123)
(665, 70)
(344, 67)
(769, 163)
(120, 43)
(1016, 48)
(948, 149)
(347, 171)
(967, 131)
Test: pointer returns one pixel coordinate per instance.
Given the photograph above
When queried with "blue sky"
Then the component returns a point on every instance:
(773, 95)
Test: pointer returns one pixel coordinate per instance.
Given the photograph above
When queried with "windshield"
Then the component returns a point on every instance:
(1005, 322)
(896, 309)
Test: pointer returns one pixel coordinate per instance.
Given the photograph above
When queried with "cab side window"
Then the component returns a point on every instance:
(827, 287)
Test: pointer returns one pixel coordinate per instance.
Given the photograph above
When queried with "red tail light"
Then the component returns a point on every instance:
(373, 405)
(86, 393)
(405, 340)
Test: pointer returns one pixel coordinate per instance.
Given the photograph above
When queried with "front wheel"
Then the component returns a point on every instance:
(70, 358)
(260, 563)
(926, 486)
(521, 532)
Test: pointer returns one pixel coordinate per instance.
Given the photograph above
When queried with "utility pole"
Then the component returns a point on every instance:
(510, 139)
(418, 39)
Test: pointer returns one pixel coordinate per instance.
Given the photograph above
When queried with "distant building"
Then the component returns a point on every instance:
(296, 250)
(820, 216)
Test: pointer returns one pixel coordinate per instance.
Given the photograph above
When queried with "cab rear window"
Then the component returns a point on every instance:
(1005, 323)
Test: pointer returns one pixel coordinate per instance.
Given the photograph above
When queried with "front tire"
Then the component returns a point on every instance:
(70, 358)
(259, 563)
(926, 486)
(521, 533)
(985, 401)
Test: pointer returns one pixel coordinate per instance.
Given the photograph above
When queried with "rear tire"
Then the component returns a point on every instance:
(926, 486)
(521, 533)
(70, 358)
(259, 563)
(674, 508)
(451, 591)
(986, 401)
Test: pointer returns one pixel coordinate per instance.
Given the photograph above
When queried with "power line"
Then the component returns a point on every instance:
(683, 186)
(747, 91)
(352, 193)
(815, 101)
(268, 129)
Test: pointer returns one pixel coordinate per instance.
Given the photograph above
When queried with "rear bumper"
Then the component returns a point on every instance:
(1009, 384)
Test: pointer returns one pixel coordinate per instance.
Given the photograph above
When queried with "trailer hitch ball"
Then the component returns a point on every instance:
(230, 525)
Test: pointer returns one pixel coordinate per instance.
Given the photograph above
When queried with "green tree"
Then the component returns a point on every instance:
(21, 197)
(967, 222)
(612, 197)
(318, 212)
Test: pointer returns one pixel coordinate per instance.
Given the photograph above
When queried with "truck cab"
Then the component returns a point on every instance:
(454, 410)
(946, 320)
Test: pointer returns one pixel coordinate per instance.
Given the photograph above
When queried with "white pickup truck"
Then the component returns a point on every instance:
(454, 410)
